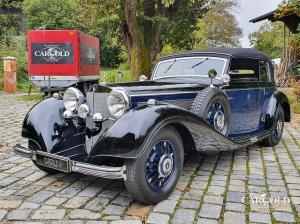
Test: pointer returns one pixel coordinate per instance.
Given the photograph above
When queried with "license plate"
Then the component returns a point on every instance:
(53, 161)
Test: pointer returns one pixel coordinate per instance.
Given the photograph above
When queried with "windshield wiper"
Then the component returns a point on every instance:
(199, 63)
(170, 66)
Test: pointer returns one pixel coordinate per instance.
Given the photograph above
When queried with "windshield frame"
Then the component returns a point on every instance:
(189, 76)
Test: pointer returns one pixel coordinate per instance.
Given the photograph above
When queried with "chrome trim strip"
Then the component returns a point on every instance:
(109, 172)
(99, 171)
(22, 151)
(158, 94)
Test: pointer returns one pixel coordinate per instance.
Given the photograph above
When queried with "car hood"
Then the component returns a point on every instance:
(157, 87)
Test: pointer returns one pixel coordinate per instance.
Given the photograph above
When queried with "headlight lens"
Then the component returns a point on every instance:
(117, 102)
(72, 99)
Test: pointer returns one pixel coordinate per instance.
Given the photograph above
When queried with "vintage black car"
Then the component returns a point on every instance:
(208, 101)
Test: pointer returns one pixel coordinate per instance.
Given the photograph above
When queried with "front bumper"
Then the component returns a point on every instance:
(74, 166)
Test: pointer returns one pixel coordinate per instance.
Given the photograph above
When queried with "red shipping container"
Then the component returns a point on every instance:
(60, 58)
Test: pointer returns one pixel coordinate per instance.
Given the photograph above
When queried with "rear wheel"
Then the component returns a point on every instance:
(276, 130)
(152, 177)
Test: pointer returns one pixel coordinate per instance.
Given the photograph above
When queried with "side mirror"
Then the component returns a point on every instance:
(212, 73)
(225, 79)
(120, 75)
(143, 78)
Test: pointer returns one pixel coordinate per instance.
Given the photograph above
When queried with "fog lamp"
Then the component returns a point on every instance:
(83, 111)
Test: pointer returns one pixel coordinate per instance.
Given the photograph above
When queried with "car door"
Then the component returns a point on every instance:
(246, 97)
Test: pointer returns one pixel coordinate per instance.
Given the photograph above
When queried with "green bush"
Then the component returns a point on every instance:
(15, 46)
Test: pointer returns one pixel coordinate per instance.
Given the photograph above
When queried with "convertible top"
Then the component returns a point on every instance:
(224, 52)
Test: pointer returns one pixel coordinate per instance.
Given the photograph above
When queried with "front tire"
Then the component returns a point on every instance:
(276, 130)
(152, 177)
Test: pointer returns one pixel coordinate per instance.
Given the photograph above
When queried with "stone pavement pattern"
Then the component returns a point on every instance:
(254, 185)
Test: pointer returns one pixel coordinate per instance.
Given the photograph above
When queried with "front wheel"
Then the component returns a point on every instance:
(152, 177)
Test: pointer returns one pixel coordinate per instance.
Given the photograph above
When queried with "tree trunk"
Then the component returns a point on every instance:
(283, 76)
(139, 54)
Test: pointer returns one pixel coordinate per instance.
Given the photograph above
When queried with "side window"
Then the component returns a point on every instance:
(264, 71)
(244, 70)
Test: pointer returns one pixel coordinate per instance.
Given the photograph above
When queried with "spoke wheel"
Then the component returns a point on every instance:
(153, 176)
(160, 164)
(216, 116)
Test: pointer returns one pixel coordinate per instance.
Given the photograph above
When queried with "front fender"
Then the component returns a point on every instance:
(129, 136)
(278, 98)
(38, 122)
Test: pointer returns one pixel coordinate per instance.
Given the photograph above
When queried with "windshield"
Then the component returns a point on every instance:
(189, 67)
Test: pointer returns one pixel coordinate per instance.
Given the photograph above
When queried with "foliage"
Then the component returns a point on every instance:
(9, 21)
(35, 97)
(54, 14)
(286, 7)
(145, 27)
(10, 46)
(110, 75)
(293, 100)
(218, 28)
(269, 39)
(74, 14)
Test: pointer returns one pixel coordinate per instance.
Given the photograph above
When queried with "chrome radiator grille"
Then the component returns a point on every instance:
(97, 104)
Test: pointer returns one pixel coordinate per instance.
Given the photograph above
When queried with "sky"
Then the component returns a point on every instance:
(250, 9)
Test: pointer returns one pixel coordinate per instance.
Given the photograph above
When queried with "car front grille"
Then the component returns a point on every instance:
(97, 104)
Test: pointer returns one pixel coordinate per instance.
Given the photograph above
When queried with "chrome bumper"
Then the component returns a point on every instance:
(74, 166)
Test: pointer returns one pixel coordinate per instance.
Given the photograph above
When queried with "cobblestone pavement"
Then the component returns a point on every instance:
(254, 185)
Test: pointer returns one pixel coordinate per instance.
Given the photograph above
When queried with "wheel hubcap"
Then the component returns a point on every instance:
(165, 166)
(160, 164)
(219, 120)
(278, 129)
(216, 117)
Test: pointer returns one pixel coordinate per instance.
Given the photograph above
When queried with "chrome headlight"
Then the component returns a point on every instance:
(73, 98)
(117, 102)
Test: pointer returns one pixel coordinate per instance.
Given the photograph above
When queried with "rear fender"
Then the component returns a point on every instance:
(278, 98)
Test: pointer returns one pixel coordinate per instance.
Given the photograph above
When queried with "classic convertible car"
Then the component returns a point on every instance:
(209, 101)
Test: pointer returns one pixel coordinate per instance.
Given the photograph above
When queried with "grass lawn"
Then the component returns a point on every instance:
(110, 75)
(295, 104)
(32, 97)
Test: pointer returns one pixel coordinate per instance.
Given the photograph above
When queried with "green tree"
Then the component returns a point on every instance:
(269, 39)
(144, 27)
(218, 28)
(74, 14)
(54, 14)
(10, 19)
